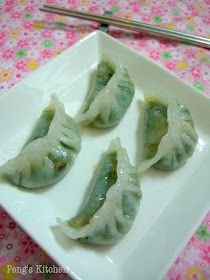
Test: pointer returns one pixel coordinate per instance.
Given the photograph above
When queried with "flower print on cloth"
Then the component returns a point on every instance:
(20, 53)
(198, 85)
(191, 255)
(32, 64)
(22, 43)
(59, 34)
(11, 43)
(166, 55)
(5, 75)
(194, 261)
(47, 43)
(205, 73)
(6, 273)
(7, 54)
(34, 54)
(29, 245)
(19, 250)
(10, 244)
(21, 65)
(203, 233)
(14, 33)
(207, 254)
(46, 54)
(195, 273)
(182, 65)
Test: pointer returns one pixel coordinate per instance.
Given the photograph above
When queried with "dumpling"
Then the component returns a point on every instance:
(109, 98)
(49, 152)
(169, 135)
(113, 202)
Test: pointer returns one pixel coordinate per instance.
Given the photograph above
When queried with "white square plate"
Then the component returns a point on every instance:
(173, 203)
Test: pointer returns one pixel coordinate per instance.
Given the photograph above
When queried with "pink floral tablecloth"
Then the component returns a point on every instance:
(30, 38)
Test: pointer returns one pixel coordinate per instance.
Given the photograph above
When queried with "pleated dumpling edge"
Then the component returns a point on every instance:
(169, 136)
(111, 95)
(48, 153)
(108, 214)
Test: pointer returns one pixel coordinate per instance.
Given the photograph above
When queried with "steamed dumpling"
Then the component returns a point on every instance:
(112, 205)
(49, 152)
(109, 98)
(169, 135)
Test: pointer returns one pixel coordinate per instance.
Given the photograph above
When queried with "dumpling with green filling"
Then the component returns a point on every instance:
(112, 205)
(110, 97)
(49, 152)
(169, 136)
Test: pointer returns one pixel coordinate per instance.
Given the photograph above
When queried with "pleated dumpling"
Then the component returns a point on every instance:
(169, 134)
(49, 152)
(112, 205)
(110, 97)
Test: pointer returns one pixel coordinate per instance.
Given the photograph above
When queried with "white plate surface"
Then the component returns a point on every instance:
(173, 202)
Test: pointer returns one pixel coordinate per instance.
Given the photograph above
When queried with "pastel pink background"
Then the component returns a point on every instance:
(30, 38)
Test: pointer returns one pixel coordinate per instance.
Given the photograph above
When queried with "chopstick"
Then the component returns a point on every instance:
(133, 25)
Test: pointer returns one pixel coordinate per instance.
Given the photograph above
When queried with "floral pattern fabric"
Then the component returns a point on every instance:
(29, 38)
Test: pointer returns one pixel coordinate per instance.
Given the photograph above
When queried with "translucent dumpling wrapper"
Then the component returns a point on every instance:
(110, 97)
(49, 152)
(112, 204)
(169, 136)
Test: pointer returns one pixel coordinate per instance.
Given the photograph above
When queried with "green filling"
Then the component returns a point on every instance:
(105, 177)
(104, 73)
(42, 126)
(156, 126)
